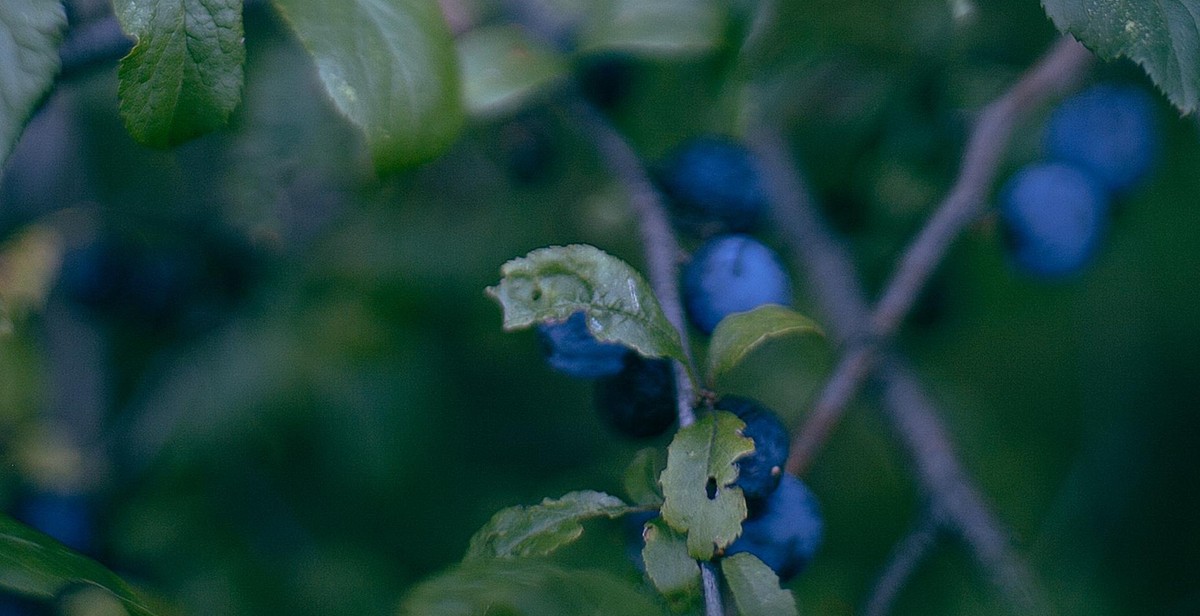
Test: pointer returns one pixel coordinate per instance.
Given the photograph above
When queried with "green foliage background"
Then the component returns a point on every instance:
(340, 432)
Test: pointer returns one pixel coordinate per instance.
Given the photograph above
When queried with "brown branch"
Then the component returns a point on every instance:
(902, 564)
(831, 276)
(658, 240)
(1052, 75)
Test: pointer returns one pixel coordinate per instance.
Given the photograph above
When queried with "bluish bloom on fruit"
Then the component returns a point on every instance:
(638, 402)
(786, 531)
(732, 273)
(1054, 217)
(759, 472)
(710, 180)
(1108, 131)
(572, 350)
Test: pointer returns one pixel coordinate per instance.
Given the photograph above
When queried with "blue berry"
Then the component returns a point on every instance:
(1108, 131)
(638, 402)
(712, 181)
(572, 350)
(786, 532)
(64, 516)
(732, 273)
(758, 473)
(1054, 217)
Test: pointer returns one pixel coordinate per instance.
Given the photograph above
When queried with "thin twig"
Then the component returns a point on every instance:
(831, 277)
(902, 564)
(658, 240)
(713, 605)
(1057, 71)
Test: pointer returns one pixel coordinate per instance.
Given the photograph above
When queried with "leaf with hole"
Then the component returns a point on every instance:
(550, 284)
(538, 530)
(699, 496)
(35, 565)
(740, 333)
(30, 32)
(755, 588)
(183, 77)
(390, 68)
(1163, 37)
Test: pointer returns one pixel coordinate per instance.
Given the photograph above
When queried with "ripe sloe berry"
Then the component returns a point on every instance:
(572, 350)
(787, 530)
(759, 472)
(732, 273)
(1054, 216)
(712, 181)
(1109, 131)
(639, 401)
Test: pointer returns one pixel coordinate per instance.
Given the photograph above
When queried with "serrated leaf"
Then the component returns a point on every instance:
(183, 77)
(739, 334)
(540, 529)
(755, 588)
(35, 565)
(699, 498)
(673, 572)
(1162, 36)
(525, 587)
(30, 32)
(390, 68)
(551, 284)
(502, 68)
(641, 477)
(655, 27)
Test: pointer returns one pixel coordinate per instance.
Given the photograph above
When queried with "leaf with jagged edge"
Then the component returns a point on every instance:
(548, 285)
(183, 77)
(539, 530)
(1162, 36)
(30, 32)
(699, 496)
(740, 333)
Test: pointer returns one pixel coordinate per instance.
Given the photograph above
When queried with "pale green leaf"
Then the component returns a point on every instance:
(525, 587)
(699, 496)
(35, 565)
(183, 77)
(673, 572)
(655, 27)
(739, 334)
(755, 588)
(502, 68)
(551, 284)
(30, 31)
(390, 68)
(641, 477)
(1162, 35)
(538, 530)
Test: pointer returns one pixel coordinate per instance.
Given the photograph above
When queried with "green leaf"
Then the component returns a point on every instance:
(1162, 36)
(655, 27)
(740, 333)
(30, 31)
(540, 529)
(641, 477)
(527, 588)
(502, 68)
(184, 75)
(672, 571)
(551, 284)
(755, 587)
(35, 565)
(697, 485)
(390, 67)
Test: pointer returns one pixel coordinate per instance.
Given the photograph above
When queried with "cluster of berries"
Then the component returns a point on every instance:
(1099, 145)
(716, 192)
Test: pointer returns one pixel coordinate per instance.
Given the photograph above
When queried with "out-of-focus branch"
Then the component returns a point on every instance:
(902, 564)
(658, 240)
(1057, 71)
(832, 278)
